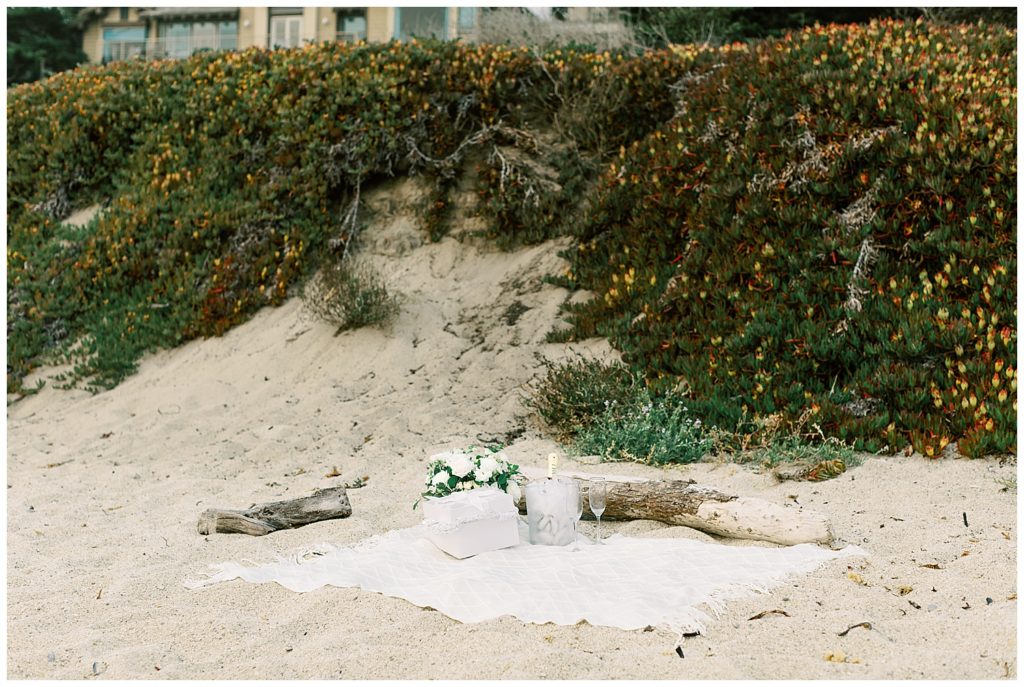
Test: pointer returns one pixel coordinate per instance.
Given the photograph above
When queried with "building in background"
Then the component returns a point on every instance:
(119, 33)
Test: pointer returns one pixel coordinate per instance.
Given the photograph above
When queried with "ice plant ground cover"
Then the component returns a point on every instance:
(825, 222)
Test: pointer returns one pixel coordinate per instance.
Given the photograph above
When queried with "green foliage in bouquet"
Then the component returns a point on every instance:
(826, 224)
(471, 468)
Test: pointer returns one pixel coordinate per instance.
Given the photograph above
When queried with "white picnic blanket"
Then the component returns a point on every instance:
(628, 582)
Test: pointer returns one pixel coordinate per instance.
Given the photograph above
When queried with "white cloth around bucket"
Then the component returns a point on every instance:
(627, 583)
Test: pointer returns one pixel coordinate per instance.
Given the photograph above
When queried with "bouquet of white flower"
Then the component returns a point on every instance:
(470, 468)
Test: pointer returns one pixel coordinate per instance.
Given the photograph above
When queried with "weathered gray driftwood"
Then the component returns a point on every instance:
(683, 502)
(265, 518)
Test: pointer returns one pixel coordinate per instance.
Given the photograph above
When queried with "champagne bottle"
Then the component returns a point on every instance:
(552, 464)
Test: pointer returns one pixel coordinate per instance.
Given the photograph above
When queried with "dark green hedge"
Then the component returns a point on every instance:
(828, 225)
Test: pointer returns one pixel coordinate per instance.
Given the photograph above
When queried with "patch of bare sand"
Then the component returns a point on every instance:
(104, 492)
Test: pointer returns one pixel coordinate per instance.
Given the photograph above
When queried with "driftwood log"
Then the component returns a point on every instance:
(265, 518)
(683, 502)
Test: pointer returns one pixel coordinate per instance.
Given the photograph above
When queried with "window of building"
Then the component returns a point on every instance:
(123, 13)
(286, 31)
(184, 38)
(123, 42)
(175, 40)
(421, 22)
(228, 34)
(352, 24)
(204, 36)
(467, 18)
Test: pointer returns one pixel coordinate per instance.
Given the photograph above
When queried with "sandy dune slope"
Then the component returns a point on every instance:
(104, 491)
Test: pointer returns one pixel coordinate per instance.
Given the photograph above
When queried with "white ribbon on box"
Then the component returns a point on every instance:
(448, 513)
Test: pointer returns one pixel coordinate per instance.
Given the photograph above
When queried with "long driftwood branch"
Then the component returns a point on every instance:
(279, 515)
(683, 502)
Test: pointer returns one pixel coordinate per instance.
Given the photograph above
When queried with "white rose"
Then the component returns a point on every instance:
(460, 464)
(513, 491)
(441, 478)
(488, 466)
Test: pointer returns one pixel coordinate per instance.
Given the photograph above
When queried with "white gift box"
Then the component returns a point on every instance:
(469, 522)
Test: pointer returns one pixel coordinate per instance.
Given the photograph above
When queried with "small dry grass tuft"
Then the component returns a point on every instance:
(349, 295)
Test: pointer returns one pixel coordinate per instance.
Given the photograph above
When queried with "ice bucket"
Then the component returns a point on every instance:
(551, 512)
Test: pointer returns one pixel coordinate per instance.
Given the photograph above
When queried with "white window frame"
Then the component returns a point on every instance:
(443, 28)
(290, 28)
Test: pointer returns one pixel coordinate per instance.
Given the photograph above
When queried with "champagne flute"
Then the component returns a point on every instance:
(576, 511)
(598, 495)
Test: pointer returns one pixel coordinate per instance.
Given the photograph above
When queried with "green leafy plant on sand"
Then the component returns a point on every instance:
(572, 394)
(605, 409)
(791, 449)
(655, 430)
(795, 457)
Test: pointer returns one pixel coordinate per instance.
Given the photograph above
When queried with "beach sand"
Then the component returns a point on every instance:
(103, 494)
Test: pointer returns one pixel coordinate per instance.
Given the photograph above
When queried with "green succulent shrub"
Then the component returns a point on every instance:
(793, 451)
(826, 224)
(652, 429)
(796, 448)
(570, 395)
(605, 409)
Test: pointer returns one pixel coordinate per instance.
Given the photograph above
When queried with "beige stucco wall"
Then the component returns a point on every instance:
(380, 24)
(452, 30)
(92, 42)
(258, 31)
(326, 24)
(309, 21)
(577, 14)
(153, 36)
(247, 26)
